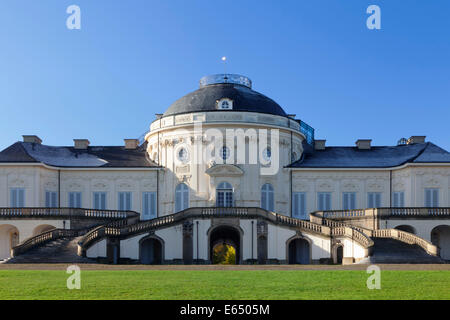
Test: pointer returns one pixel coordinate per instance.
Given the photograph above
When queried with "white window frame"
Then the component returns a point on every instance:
(267, 197)
(74, 200)
(398, 199)
(373, 199)
(17, 197)
(299, 205)
(124, 200)
(324, 201)
(431, 197)
(225, 191)
(181, 197)
(102, 200)
(51, 199)
(348, 200)
(149, 205)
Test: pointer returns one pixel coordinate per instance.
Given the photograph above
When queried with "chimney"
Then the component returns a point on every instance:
(131, 143)
(81, 143)
(416, 139)
(319, 144)
(363, 144)
(32, 139)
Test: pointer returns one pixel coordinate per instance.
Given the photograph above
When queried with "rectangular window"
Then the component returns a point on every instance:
(349, 200)
(100, 200)
(51, 199)
(323, 201)
(398, 199)
(299, 205)
(149, 205)
(124, 200)
(374, 200)
(75, 200)
(431, 198)
(17, 197)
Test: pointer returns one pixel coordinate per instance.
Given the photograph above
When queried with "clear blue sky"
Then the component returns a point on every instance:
(132, 59)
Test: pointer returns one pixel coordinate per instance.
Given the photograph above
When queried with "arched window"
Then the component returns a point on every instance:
(224, 195)
(181, 197)
(267, 201)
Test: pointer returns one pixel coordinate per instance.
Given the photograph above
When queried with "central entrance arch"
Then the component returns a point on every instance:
(223, 236)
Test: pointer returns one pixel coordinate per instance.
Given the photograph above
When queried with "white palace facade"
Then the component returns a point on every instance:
(225, 165)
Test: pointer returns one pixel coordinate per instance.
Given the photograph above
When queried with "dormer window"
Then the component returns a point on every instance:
(225, 104)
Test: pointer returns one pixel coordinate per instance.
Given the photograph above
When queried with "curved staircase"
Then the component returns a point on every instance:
(61, 250)
(387, 250)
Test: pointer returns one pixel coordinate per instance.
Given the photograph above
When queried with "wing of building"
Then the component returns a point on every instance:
(226, 166)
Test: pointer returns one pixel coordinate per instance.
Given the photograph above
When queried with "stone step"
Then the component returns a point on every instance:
(63, 250)
(387, 250)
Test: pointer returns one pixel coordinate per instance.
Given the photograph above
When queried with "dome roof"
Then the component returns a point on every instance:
(234, 87)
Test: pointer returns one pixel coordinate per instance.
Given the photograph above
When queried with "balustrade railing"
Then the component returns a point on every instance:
(65, 213)
(383, 213)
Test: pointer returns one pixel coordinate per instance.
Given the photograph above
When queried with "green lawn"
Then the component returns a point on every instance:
(242, 284)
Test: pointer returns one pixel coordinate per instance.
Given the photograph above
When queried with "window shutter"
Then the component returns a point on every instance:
(96, 201)
(378, 200)
(345, 202)
(185, 198)
(21, 198)
(47, 199)
(271, 204)
(328, 201)
(145, 205)
(54, 200)
(295, 205)
(352, 201)
(402, 199)
(435, 198)
(72, 200)
(264, 198)
(396, 200)
(178, 200)
(78, 199)
(302, 205)
(103, 201)
(153, 205)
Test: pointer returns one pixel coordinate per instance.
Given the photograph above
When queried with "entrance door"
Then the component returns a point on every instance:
(299, 252)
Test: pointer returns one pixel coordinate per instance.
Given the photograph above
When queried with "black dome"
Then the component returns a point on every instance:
(244, 99)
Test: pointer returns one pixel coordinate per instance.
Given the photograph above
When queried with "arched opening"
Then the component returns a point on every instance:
(223, 242)
(440, 237)
(224, 197)
(42, 228)
(299, 251)
(151, 251)
(9, 238)
(181, 197)
(267, 201)
(406, 228)
(339, 254)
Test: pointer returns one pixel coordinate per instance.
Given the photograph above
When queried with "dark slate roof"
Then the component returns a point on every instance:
(114, 157)
(244, 99)
(376, 157)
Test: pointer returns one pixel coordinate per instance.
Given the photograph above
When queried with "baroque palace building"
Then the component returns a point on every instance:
(225, 165)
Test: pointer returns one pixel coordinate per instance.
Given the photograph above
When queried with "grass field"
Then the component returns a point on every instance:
(224, 284)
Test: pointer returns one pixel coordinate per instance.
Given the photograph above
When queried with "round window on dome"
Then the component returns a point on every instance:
(267, 154)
